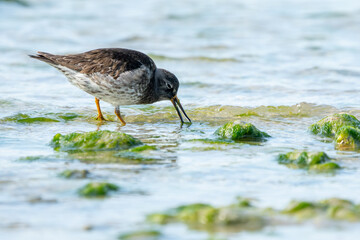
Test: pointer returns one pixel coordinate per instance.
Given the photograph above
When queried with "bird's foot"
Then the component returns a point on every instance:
(101, 118)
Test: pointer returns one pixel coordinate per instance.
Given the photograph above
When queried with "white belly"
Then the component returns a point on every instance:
(121, 91)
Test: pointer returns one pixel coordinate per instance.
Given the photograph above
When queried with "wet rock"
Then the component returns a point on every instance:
(97, 189)
(141, 235)
(74, 174)
(93, 141)
(342, 127)
(241, 131)
(348, 138)
(330, 126)
(318, 161)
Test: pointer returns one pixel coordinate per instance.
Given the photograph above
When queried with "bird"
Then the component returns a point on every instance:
(118, 76)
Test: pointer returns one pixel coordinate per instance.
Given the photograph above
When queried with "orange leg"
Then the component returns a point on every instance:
(117, 113)
(100, 116)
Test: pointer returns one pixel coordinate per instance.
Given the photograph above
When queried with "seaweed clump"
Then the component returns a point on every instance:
(239, 130)
(97, 189)
(342, 127)
(93, 141)
(318, 161)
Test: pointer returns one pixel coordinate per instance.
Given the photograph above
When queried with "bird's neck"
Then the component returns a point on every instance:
(152, 91)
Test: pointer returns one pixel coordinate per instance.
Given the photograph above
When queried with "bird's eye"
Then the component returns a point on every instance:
(168, 85)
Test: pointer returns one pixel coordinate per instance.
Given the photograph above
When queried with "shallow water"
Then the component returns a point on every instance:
(281, 65)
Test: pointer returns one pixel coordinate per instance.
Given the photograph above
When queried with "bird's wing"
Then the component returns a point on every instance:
(107, 61)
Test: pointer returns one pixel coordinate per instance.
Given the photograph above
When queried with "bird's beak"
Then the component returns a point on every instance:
(175, 101)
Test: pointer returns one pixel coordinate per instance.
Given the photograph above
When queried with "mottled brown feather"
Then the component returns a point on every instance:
(108, 61)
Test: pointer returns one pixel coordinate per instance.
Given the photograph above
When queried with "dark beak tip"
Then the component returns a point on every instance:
(175, 101)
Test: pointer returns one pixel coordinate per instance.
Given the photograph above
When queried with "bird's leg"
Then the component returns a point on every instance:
(117, 113)
(100, 116)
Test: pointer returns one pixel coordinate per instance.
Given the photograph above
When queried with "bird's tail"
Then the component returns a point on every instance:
(45, 57)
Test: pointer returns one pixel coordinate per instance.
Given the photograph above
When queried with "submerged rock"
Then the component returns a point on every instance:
(342, 127)
(93, 141)
(141, 235)
(140, 154)
(97, 189)
(74, 173)
(241, 131)
(43, 118)
(333, 208)
(201, 216)
(244, 216)
(319, 161)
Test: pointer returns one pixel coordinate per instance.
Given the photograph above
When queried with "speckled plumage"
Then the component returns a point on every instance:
(117, 76)
(114, 75)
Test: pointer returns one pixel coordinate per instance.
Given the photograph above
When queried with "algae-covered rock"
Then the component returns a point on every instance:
(348, 138)
(97, 189)
(141, 235)
(329, 126)
(333, 208)
(325, 167)
(342, 127)
(241, 131)
(319, 161)
(74, 173)
(236, 217)
(93, 141)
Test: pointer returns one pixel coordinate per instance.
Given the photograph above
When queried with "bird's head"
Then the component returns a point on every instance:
(168, 85)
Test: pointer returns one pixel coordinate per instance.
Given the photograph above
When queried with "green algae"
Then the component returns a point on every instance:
(318, 161)
(141, 235)
(142, 148)
(74, 174)
(43, 118)
(325, 167)
(342, 127)
(93, 141)
(241, 131)
(97, 189)
(25, 118)
(333, 208)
